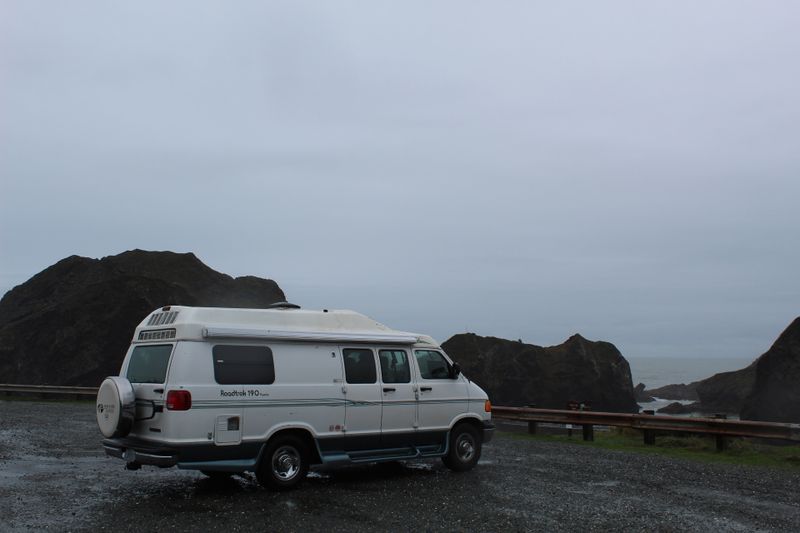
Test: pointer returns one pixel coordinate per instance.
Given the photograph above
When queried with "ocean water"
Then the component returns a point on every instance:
(659, 371)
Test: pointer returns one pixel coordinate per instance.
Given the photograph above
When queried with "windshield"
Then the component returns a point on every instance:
(148, 364)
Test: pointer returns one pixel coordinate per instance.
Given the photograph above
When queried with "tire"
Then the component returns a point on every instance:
(115, 407)
(464, 450)
(284, 463)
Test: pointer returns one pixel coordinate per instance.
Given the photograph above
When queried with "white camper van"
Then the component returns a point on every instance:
(277, 390)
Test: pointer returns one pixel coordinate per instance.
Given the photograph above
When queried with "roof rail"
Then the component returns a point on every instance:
(283, 305)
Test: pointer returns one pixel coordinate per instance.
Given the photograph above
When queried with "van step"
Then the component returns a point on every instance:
(370, 455)
(386, 454)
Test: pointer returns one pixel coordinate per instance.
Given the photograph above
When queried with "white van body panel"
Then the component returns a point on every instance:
(395, 412)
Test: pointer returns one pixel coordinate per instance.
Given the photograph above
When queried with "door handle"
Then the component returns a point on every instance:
(426, 389)
(388, 389)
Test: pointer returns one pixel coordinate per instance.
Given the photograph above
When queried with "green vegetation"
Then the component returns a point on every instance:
(738, 451)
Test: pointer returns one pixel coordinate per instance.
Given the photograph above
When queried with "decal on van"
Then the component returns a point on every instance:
(242, 393)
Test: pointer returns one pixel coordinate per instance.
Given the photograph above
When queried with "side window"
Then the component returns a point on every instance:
(243, 365)
(359, 365)
(394, 366)
(432, 365)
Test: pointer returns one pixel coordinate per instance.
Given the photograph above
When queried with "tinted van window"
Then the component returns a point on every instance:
(432, 365)
(359, 365)
(394, 366)
(243, 365)
(148, 364)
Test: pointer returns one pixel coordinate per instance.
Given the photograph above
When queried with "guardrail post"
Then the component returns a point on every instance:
(532, 424)
(722, 442)
(588, 429)
(649, 434)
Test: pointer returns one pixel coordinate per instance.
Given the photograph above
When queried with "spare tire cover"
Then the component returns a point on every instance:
(116, 407)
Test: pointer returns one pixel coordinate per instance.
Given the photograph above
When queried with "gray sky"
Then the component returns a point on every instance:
(626, 170)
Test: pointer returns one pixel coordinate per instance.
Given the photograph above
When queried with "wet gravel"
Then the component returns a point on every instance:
(54, 476)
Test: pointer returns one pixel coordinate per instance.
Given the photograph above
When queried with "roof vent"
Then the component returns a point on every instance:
(162, 319)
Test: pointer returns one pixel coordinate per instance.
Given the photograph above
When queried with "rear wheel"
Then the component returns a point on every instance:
(465, 448)
(284, 463)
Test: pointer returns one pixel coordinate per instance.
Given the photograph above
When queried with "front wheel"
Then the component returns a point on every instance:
(465, 448)
(284, 464)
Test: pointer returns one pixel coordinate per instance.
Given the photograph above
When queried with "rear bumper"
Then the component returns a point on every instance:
(140, 452)
(488, 431)
(200, 456)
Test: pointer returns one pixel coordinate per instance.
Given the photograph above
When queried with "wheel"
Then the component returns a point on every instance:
(284, 464)
(465, 448)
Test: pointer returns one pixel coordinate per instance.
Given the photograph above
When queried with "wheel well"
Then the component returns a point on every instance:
(470, 421)
(305, 436)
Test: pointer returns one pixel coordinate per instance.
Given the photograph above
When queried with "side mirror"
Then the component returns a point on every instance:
(455, 371)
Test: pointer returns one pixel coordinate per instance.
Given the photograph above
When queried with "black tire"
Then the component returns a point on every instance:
(464, 450)
(284, 463)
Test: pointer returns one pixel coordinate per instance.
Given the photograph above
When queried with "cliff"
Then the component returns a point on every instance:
(518, 374)
(767, 389)
(675, 392)
(775, 394)
(71, 323)
(725, 392)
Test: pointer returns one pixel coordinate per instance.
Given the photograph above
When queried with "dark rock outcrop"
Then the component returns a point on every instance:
(676, 392)
(775, 394)
(677, 408)
(71, 323)
(641, 395)
(726, 392)
(518, 374)
(768, 389)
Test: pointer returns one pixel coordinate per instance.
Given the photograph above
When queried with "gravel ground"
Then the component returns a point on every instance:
(53, 475)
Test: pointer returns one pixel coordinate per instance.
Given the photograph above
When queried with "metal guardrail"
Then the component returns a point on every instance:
(49, 390)
(649, 424)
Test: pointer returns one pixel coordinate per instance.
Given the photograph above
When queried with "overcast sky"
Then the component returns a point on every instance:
(626, 170)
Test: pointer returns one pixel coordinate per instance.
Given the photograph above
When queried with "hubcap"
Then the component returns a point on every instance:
(285, 463)
(465, 447)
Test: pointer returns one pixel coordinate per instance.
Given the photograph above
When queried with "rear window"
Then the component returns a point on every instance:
(148, 364)
(243, 365)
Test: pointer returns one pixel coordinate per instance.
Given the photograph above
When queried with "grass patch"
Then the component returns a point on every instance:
(739, 451)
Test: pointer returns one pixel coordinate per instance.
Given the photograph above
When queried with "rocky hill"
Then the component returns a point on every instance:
(775, 394)
(767, 389)
(674, 392)
(71, 323)
(518, 374)
(725, 392)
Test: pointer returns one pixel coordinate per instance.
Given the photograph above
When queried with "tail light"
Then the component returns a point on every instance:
(487, 406)
(179, 400)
